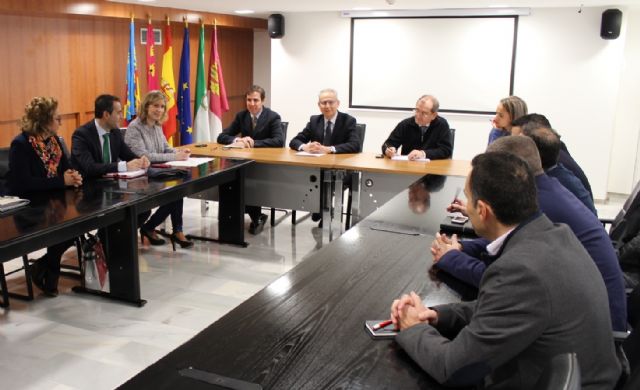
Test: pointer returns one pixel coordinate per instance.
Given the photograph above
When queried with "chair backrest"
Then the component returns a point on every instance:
(4, 162)
(562, 373)
(65, 149)
(453, 138)
(361, 128)
(285, 126)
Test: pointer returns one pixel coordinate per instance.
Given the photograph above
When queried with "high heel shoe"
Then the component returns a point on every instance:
(149, 236)
(183, 243)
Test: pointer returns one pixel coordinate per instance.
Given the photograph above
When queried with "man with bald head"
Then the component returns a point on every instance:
(425, 135)
(548, 143)
(463, 261)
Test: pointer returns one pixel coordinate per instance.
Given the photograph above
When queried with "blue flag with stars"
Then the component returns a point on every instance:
(184, 93)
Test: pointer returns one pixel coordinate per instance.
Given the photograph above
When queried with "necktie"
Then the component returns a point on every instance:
(327, 135)
(254, 121)
(106, 154)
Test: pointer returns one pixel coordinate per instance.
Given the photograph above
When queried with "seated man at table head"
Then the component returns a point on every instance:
(98, 146)
(528, 308)
(256, 127)
(548, 144)
(531, 122)
(331, 132)
(424, 135)
(37, 163)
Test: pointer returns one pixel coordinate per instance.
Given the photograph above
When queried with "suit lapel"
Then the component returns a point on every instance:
(95, 139)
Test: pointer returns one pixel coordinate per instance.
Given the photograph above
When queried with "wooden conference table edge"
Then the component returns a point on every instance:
(365, 161)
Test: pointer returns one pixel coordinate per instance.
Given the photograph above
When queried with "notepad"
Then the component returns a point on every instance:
(11, 202)
(233, 146)
(126, 175)
(307, 154)
(406, 158)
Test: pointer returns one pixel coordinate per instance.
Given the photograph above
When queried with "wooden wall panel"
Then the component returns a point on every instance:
(77, 58)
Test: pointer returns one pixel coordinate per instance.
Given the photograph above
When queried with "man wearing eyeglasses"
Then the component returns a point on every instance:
(331, 132)
(423, 136)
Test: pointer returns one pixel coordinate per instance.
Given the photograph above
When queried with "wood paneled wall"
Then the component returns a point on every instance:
(75, 58)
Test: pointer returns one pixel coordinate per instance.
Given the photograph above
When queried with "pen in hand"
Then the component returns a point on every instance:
(382, 324)
(455, 197)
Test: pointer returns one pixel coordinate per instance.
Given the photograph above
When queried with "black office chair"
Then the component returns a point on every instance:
(561, 373)
(453, 139)
(361, 129)
(4, 169)
(628, 348)
(285, 126)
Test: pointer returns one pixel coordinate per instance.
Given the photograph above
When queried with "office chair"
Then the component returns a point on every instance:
(628, 349)
(285, 126)
(361, 129)
(561, 373)
(4, 169)
(453, 139)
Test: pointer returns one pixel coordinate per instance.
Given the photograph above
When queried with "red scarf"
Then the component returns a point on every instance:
(49, 152)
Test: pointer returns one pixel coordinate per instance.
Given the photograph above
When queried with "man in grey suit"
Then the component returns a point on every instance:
(542, 296)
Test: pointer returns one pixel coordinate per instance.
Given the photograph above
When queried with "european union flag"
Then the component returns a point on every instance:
(184, 93)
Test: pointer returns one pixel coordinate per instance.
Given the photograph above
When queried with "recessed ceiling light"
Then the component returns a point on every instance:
(244, 11)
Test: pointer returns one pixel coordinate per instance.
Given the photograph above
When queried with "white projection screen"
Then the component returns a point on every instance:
(466, 62)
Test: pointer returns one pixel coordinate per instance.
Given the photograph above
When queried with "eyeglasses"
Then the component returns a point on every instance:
(327, 102)
(58, 119)
(423, 113)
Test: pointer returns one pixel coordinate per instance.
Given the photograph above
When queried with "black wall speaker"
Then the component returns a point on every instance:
(611, 23)
(276, 26)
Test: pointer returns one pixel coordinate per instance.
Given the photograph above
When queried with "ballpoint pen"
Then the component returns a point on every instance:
(381, 325)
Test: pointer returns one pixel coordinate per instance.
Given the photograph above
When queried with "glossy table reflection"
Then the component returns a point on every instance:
(113, 205)
(306, 329)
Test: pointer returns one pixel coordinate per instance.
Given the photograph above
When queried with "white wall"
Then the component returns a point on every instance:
(563, 69)
(262, 62)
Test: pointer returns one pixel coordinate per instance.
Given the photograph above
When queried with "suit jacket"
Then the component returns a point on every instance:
(268, 131)
(343, 135)
(27, 172)
(541, 297)
(435, 142)
(86, 151)
(561, 207)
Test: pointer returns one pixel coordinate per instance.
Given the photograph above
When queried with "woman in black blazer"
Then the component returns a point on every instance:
(37, 163)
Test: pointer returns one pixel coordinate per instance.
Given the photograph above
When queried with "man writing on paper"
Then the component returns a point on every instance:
(256, 127)
(425, 135)
(98, 146)
(525, 313)
(331, 132)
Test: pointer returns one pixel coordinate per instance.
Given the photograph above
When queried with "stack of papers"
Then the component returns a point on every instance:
(406, 158)
(190, 162)
(310, 154)
(11, 202)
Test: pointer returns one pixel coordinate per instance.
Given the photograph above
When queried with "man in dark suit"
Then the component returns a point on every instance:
(542, 296)
(98, 146)
(424, 135)
(255, 127)
(331, 132)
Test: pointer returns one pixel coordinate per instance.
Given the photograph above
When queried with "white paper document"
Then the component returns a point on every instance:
(191, 162)
(406, 158)
(233, 146)
(310, 154)
(11, 202)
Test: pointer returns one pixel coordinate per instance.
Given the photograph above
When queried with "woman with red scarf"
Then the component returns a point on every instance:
(37, 163)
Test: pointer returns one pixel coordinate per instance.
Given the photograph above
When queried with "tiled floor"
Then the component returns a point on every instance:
(81, 342)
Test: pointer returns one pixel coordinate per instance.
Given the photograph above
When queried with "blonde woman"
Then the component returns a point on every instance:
(144, 137)
(37, 163)
(508, 110)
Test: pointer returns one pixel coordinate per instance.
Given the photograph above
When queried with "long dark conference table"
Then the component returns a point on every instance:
(306, 329)
(56, 216)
